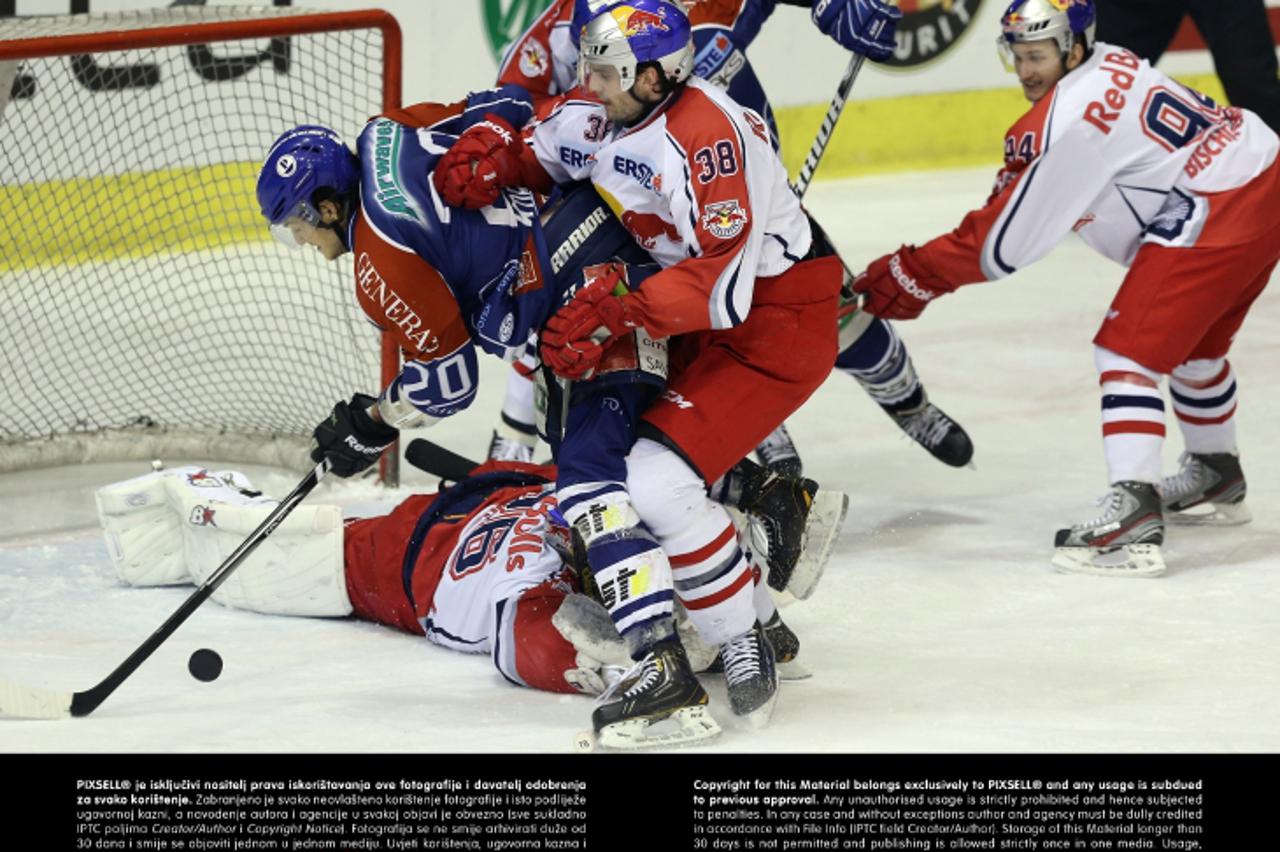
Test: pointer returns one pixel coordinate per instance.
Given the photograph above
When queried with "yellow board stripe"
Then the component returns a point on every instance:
(132, 215)
(918, 132)
(179, 210)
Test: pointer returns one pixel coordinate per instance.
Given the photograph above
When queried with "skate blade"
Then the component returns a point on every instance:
(821, 531)
(684, 726)
(1128, 560)
(1211, 515)
(793, 670)
(758, 719)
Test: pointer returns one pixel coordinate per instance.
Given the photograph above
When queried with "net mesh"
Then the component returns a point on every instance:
(140, 293)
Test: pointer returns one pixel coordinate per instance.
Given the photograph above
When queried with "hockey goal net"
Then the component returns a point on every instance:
(144, 309)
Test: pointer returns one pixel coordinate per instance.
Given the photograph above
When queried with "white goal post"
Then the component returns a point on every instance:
(144, 310)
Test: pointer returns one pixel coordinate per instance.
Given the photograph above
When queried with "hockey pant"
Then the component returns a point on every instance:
(1176, 314)
(728, 390)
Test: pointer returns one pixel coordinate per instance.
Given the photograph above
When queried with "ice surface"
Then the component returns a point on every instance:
(939, 626)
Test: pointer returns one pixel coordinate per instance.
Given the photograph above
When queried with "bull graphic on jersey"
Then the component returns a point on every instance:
(633, 21)
(724, 219)
(647, 227)
(203, 479)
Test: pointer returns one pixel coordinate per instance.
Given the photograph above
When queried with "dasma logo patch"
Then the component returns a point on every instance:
(929, 28)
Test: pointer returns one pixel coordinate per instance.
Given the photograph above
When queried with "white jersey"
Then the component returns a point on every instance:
(503, 551)
(1117, 152)
(699, 186)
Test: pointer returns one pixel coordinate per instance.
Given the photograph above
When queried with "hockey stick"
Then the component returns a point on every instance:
(819, 146)
(30, 703)
(438, 461)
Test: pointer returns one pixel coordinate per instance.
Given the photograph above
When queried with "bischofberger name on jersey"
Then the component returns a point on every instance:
(373, 285)
(386, 168)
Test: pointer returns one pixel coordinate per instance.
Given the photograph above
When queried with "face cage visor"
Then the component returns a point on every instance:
(1005, 43)
(289, 230)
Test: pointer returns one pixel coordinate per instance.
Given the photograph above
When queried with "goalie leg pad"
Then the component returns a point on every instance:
(180, 525)
(298, 570)
(143, 532)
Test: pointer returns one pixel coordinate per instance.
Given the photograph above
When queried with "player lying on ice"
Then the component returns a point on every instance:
(544, 60)
(1159, 178)
(444, 281)
(746, 296)
(490, 567)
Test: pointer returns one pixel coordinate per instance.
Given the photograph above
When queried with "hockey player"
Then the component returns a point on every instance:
(481, 567)
(445, 281)
(749, 306)
(1183, 192)
(544, 61)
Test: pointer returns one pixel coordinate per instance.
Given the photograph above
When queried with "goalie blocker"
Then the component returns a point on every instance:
(487, 575)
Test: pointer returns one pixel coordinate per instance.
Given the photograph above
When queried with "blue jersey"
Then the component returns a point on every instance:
(443, 280)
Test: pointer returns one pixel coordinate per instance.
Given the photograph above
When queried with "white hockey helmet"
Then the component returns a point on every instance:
(1067, 22)
(624, 35)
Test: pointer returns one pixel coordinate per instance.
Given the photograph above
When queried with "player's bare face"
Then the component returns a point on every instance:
(620, 105)
(1039, 67)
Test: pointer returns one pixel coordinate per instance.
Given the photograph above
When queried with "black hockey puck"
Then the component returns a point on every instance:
(205, 665)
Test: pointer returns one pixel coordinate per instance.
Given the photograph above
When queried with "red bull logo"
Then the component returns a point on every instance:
(632, 21)
(648, 227)
(724, 219)
(203, 479)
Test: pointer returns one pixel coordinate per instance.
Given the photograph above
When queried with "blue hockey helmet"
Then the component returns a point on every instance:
(624, 35)
(303, 160)
(1067, 22)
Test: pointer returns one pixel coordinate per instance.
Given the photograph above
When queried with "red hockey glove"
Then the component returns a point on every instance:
(574, 340)
(898, 287)
(485, 158)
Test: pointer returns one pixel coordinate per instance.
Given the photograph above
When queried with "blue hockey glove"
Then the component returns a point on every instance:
(853, 24)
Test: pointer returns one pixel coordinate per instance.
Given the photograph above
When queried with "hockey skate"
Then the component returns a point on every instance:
(1208, 491)
(751, 675)
(931, 428)
(660, 703)
(503, 448)
(778, 453)
(786, 648)
(799, 523)
(1122, 542)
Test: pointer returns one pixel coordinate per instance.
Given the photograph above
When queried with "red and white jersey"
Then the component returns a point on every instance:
(1122, 155)
(502, 552)
(544, 59)
(699, 186)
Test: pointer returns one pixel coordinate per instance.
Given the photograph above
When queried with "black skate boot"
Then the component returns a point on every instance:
(778, 453)
(1209, 491)
(931, 428)
(786, 648)
(800, 523)
(1124, 541)
(751, 675)
(660, 689)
